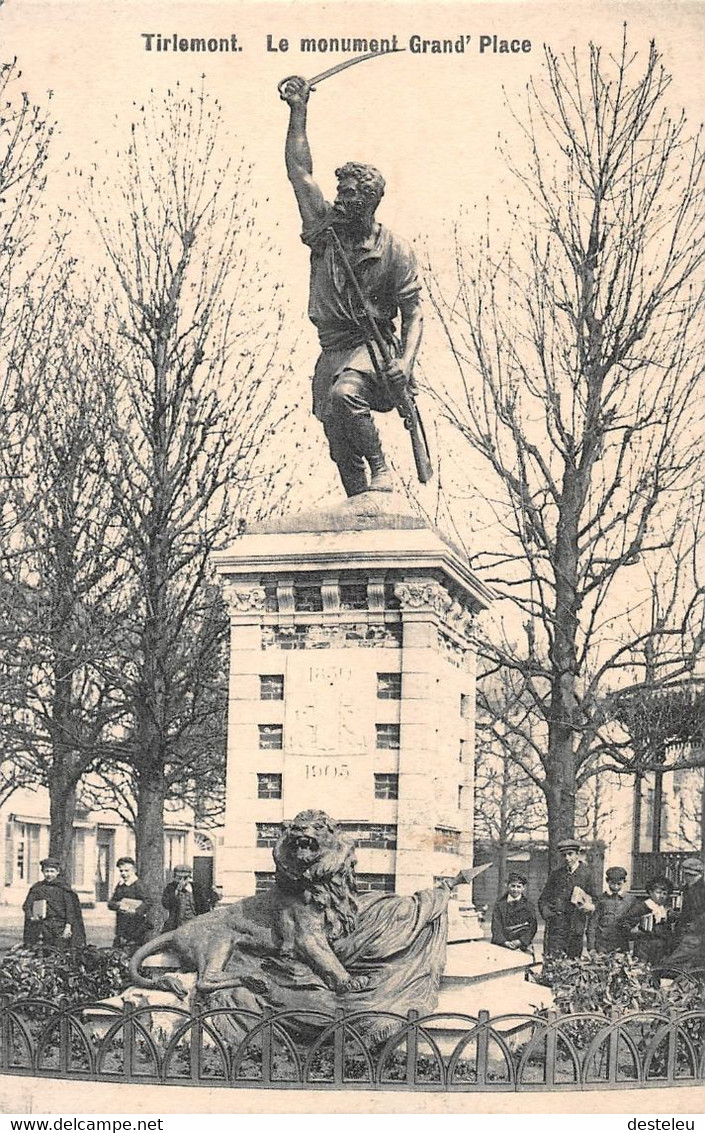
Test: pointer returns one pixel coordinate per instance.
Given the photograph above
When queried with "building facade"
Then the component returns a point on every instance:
(100, 838)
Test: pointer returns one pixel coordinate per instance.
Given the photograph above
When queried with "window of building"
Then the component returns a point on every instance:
(263, 880)
(307, 599)
(353, 595)
(461, 794)
(446, 840)
(375, 882)
(372, 835)
(271, 737)
(269, 785)
(27, 852)
(461, 751)
(174, 849)
(465, 706)
(8, 853)
(268, 833)
(386, 786)
(78, 851)
(388, 736)
(271, 686)
(389, 686)
(20, 855)
(391, 602)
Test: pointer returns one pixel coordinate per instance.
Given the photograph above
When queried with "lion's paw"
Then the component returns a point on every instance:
(356, 983)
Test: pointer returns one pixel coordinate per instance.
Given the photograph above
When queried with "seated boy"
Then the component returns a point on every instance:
(514, 921)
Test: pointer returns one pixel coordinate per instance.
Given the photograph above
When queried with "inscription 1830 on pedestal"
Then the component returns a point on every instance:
(328, 760)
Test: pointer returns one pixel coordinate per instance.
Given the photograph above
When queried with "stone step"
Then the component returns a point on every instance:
(478, 961)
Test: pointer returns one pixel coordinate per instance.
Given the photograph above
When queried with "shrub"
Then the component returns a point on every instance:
(605, 982)
(64, 978)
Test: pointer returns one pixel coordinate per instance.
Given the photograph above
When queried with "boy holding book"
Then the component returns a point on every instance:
(52, 912)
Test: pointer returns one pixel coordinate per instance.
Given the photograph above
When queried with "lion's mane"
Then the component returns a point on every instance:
(314, 859)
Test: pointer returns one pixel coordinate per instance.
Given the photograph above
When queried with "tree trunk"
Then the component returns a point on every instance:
(62, 809)
(560, 807)
(561, 764)
(150, 835)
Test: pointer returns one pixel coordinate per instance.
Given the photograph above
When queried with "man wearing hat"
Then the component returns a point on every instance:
(514, 922)
(52, 911)
(606, 929)
(184, 901)
(567, 900)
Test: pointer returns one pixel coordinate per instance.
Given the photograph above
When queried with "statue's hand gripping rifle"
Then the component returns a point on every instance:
(406, 403)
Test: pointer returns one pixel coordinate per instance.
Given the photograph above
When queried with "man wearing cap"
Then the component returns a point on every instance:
(567, 900)
(606, 929)
(514, 921)
(52, 911)
(183, 900)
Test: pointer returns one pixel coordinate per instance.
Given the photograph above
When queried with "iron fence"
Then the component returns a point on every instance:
(222, 1047)
(650, 863)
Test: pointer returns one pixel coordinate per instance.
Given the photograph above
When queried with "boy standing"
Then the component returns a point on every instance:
(566, 902)
(606, 929)
(52, 912)
(132, 904)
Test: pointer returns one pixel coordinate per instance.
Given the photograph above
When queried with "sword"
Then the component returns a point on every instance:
(281, 87)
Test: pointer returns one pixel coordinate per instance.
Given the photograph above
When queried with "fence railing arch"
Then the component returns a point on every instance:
(236, 1048)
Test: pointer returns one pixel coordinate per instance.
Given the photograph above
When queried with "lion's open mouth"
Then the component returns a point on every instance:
(305, 846)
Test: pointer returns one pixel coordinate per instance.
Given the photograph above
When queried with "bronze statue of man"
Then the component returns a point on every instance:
(351, 378)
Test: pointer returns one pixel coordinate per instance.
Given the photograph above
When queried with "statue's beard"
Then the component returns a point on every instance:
(354, 217)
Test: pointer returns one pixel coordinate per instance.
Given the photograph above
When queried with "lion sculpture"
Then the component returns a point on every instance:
(311, 905)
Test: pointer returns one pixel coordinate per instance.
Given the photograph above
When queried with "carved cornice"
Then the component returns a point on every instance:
(423, 596)
(245, 598)
(429, 596)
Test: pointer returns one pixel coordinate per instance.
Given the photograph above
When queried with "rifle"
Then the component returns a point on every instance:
(406, 403)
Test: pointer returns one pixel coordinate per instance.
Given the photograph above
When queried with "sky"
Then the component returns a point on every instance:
(430, 121)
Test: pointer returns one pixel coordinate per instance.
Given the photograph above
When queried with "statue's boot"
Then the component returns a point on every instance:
(381, 476)
(353, 475)
(368, 444)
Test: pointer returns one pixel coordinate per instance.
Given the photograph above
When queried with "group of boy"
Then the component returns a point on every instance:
(576, 914)
(53, 918)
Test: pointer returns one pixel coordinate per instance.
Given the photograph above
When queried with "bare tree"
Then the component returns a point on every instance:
(31, 267)
(33, 273)
(579, 348)
(508, 804)
(195, 323)
(61, 606)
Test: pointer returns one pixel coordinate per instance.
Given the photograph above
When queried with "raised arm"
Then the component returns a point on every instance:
(299, 165)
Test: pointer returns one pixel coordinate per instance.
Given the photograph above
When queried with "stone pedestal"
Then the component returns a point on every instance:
(352, 690)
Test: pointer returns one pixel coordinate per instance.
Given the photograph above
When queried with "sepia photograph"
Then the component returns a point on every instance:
(352, 571)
